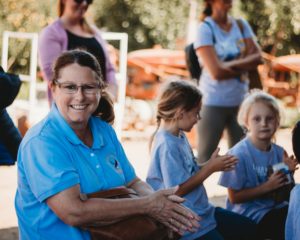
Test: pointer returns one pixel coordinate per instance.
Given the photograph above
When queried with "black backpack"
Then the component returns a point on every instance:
(192, 62)
(191, 59)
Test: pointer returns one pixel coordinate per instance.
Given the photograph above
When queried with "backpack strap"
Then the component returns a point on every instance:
(212, 31)
(241, 26)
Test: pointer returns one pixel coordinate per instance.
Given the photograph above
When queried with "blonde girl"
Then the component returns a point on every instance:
(173, 163)
(249, 186)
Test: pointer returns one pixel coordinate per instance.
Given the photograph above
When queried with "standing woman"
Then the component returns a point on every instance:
(226, 53)
(71, 31)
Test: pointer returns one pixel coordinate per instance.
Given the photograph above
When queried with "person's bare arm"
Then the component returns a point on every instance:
(249, 60)
(68, 206)
(214, 164)
(216, 68)
(275, 181)
(140, 187)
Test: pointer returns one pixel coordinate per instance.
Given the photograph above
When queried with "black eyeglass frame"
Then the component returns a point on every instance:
(85, 88)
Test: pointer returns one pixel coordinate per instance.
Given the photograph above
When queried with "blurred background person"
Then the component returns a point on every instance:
(10, 136)
(70, 31)
(226, 54)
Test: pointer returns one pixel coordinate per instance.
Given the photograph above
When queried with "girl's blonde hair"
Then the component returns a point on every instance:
(255, 96)
(176, 95)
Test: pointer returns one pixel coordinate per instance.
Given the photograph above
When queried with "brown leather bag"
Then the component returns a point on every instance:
(140, 227)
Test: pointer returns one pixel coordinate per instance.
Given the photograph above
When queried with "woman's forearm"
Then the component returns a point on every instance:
(141, 188)
(249, 62)
(163, 206)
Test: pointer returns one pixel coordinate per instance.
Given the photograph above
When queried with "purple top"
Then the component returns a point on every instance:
(53, 40)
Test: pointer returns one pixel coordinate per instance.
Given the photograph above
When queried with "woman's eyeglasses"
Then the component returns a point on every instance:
(71, 88)
(87, 1)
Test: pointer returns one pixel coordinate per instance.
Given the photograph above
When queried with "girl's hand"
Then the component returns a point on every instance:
(276, 180)
(290, 161)
(166, 207)
(221, 163)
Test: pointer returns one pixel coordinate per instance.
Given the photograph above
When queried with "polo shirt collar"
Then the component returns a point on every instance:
(57, 118)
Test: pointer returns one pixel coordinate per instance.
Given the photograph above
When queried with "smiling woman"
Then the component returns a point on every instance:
(77, 94)
(74, 151)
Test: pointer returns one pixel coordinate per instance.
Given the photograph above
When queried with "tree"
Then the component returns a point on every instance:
(276, 23)
(23, 16)
(147, 22)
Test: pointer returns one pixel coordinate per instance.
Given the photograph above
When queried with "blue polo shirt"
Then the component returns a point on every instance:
(51, 159)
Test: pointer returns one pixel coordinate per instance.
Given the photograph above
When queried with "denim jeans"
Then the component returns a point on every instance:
(231, 226)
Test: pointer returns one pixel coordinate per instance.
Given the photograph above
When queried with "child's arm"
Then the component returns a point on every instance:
(276, 180)
(214, 164)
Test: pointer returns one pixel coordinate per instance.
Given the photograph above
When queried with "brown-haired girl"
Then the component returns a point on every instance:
(173, 163)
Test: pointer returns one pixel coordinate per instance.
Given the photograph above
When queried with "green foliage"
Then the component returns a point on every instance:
(277, 24)
(147, 22)
(150, 22)
(23, 16)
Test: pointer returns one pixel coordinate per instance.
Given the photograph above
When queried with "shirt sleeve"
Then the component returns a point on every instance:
(204, 36)
(47, 167)
(50, 47)
(236, 178)
(247, 30)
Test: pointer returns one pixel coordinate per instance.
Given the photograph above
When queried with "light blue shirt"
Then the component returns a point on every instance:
(251, 171)
(228, 46)
(172, 163)
(292, 225)
(51, 159)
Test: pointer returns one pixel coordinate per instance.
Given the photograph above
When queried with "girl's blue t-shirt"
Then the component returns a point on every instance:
(251, 171)
(51, 159)
(172, 163)
(228, 45)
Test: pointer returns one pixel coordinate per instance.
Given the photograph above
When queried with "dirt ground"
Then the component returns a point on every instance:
(136, 147)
